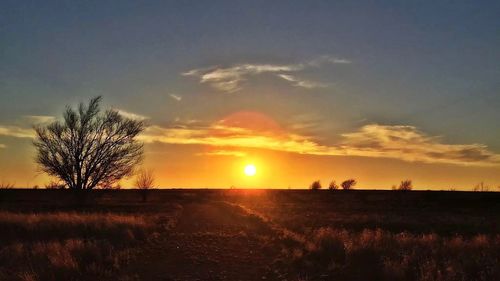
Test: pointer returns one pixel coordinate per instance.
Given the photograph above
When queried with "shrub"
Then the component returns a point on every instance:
(315, 185)
(145, 181)
(405, 185)
(481, 187)
(54, 185)
(6, 185)
(333, 186)
(348, 184)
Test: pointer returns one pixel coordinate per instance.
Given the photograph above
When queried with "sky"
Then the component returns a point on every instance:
(379, 91)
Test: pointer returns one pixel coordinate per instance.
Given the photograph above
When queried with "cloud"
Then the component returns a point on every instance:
(379, 141)
(410, 144)
(234, 153)
(131, 115)
(17, 132)
(297, 82)
(218, 135)
(229, 79)
(328, 59)
(175, 97)
(401, 142)
(39, 119)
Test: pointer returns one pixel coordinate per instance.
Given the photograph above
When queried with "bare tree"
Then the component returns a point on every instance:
(145, 181)
(89, 148)
(348, 184)
(333, 185)
(316, 185)
(405, 185)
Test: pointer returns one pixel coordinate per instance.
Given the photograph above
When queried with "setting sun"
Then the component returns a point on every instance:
(250, 170)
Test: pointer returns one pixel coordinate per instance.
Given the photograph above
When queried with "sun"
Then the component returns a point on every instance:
(250, 170)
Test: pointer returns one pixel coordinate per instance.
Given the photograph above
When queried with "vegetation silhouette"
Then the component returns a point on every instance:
(405, 185)
(6, 185)
(481, 187)
(145, 181)
(348, 184)
(333, 186)
(89, 148)
(54, 185)
(316, 185)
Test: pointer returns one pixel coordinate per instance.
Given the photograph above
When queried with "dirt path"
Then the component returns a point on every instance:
(211, 241)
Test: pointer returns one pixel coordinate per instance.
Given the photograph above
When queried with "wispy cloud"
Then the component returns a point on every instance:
(229, 79)
(410, 144)
(17, 132)
(406, 143)
(233, 153)
(39, 119)
(131, 115)
(328, 59)
(175, 97)
(298, 82)
(401, 142)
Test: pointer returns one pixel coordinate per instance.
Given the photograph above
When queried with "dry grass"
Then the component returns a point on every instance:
(338, 254)
(67, 246)
(247, 235)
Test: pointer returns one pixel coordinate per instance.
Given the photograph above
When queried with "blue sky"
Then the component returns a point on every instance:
(332, 67)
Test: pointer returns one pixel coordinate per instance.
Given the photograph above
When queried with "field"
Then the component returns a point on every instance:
(249, 235)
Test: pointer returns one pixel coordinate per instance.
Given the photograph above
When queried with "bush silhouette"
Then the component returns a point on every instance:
(481, 187)
(145, 181)
(315, 185)
(6, 185)
(348, 184)
(54, 185)
(405, 185)
(333, 185)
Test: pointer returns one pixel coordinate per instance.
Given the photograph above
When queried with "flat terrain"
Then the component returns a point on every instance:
(249, 235)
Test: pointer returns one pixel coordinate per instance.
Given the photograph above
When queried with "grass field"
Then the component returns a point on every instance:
(249, 235)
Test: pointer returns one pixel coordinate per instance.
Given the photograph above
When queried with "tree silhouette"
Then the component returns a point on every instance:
(316, 185)
(348, 184)
(333, 185)
(89, 148)
(145, 181)
(406, 185)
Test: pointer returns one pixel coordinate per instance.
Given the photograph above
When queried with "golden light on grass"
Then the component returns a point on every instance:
(250, 170)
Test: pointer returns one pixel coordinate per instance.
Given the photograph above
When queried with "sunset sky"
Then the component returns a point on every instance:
(380, 91)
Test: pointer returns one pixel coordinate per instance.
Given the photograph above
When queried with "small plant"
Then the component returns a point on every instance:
(54, 185)
(405, 185)
(145, 181)
(316, 185)
(348, 184)
(333, 186)
(481, 187)
(6, 185)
